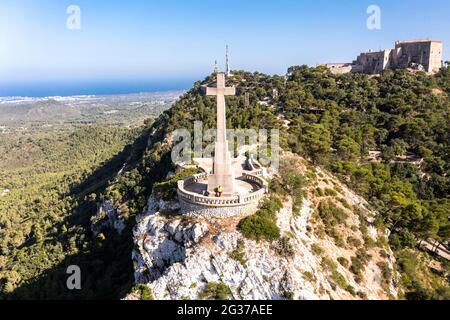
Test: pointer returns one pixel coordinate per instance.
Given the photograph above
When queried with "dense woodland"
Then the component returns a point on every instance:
(45, 217)
(335, 121)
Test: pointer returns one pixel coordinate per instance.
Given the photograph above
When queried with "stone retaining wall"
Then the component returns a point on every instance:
(196, 210)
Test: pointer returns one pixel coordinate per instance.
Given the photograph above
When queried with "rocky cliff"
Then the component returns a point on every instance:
(176, 256)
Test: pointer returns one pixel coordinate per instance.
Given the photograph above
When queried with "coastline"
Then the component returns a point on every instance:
(90, 97)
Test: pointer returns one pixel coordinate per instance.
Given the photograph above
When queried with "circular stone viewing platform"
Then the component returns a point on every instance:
(194, 198)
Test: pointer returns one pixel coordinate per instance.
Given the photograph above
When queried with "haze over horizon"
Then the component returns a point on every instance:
(141, 44)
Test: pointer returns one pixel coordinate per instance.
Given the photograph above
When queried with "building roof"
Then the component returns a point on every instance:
(416, 41)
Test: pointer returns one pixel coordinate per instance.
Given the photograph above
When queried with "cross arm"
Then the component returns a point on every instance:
(228, 91)
(211, 91)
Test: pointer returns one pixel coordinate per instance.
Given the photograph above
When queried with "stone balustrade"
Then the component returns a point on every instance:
(256, 179)
(229, 201)
(258, 173)
(195, 178)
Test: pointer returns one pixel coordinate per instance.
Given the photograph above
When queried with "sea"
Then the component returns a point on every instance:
(89, 88)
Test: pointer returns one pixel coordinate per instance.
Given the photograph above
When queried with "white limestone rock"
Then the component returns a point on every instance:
(176, 256)
(107, 217)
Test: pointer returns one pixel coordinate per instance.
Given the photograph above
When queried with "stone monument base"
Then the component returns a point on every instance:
(225, 181)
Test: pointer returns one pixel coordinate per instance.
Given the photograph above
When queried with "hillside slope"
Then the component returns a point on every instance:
(336, 122)
(329, 233)
(180, 258)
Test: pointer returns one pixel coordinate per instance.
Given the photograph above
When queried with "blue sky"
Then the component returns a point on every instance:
(176, 39)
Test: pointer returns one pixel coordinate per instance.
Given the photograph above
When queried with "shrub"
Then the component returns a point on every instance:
(328, 264)
(168, 188)
(330, 214)
(215, 291)
(418, 281)
(369, 242)
(272, 204)
(343, 262)
(277, 187)
(144, 292)
(386, 273)
(288, 295)
(356, 243)
(383, 242)
(238, 254)
(319, 192)
(358, 264)
(361, 295)
(316, 249)
(338, 240)
(383, 254)
(336, 276)
(294, 184)
(363, 256)
(330, 192)
(294, 181)
(339, 279)
(351, 290)
(284, 248)
(297, 204)
(309, 276)
(345, 203)
(320, 231)
(262, 225)
(257, 227)
(357, 267)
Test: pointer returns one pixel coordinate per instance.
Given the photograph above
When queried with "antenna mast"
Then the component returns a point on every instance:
(228, 71)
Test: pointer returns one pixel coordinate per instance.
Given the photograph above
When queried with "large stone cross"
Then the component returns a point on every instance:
(220, 92)
(222, 175)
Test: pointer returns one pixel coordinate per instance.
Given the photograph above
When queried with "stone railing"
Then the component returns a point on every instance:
(258, 173)
(230, 201)
(255, 196)
(256, 179)
(195, 178)
(196, 198)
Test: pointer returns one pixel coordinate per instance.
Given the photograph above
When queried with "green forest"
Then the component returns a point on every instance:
(386, 137)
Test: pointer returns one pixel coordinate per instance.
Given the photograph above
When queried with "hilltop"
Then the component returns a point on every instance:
(335, 121)
(327, 247)
(351, 225)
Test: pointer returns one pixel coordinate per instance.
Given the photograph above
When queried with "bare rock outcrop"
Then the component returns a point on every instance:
(176, 256)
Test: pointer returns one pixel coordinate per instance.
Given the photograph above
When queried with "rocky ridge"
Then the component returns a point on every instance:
(177, 256)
